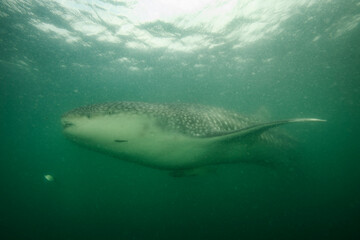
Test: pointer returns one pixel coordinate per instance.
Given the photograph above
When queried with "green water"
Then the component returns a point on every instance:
(292, 58)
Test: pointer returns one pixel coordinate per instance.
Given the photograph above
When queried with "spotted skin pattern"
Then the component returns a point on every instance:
(178, 136)
(190, 119)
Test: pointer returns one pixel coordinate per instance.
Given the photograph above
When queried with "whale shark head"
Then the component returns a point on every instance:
(105, 124)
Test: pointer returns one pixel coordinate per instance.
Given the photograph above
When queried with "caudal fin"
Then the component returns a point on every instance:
(258, 129)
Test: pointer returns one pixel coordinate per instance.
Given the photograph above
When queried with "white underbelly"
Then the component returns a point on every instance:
(139, 139)
(164, 151)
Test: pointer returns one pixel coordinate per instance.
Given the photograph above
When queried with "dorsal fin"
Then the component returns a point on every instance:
(257, 129)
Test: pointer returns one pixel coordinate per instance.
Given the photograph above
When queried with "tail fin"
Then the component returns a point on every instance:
(258, 129)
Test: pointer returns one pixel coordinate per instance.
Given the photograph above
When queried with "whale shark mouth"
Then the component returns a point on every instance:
(67, 124)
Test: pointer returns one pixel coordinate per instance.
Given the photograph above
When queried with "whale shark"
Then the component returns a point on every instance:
(177, 136)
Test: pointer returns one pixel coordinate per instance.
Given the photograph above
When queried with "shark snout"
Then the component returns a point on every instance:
(66, 123)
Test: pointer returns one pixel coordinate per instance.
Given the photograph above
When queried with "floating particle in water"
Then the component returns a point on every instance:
(49, 178)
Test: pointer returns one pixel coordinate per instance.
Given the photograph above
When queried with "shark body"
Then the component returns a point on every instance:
(176, 136)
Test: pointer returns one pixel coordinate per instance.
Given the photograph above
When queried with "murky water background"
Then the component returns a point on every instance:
(286, 58)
